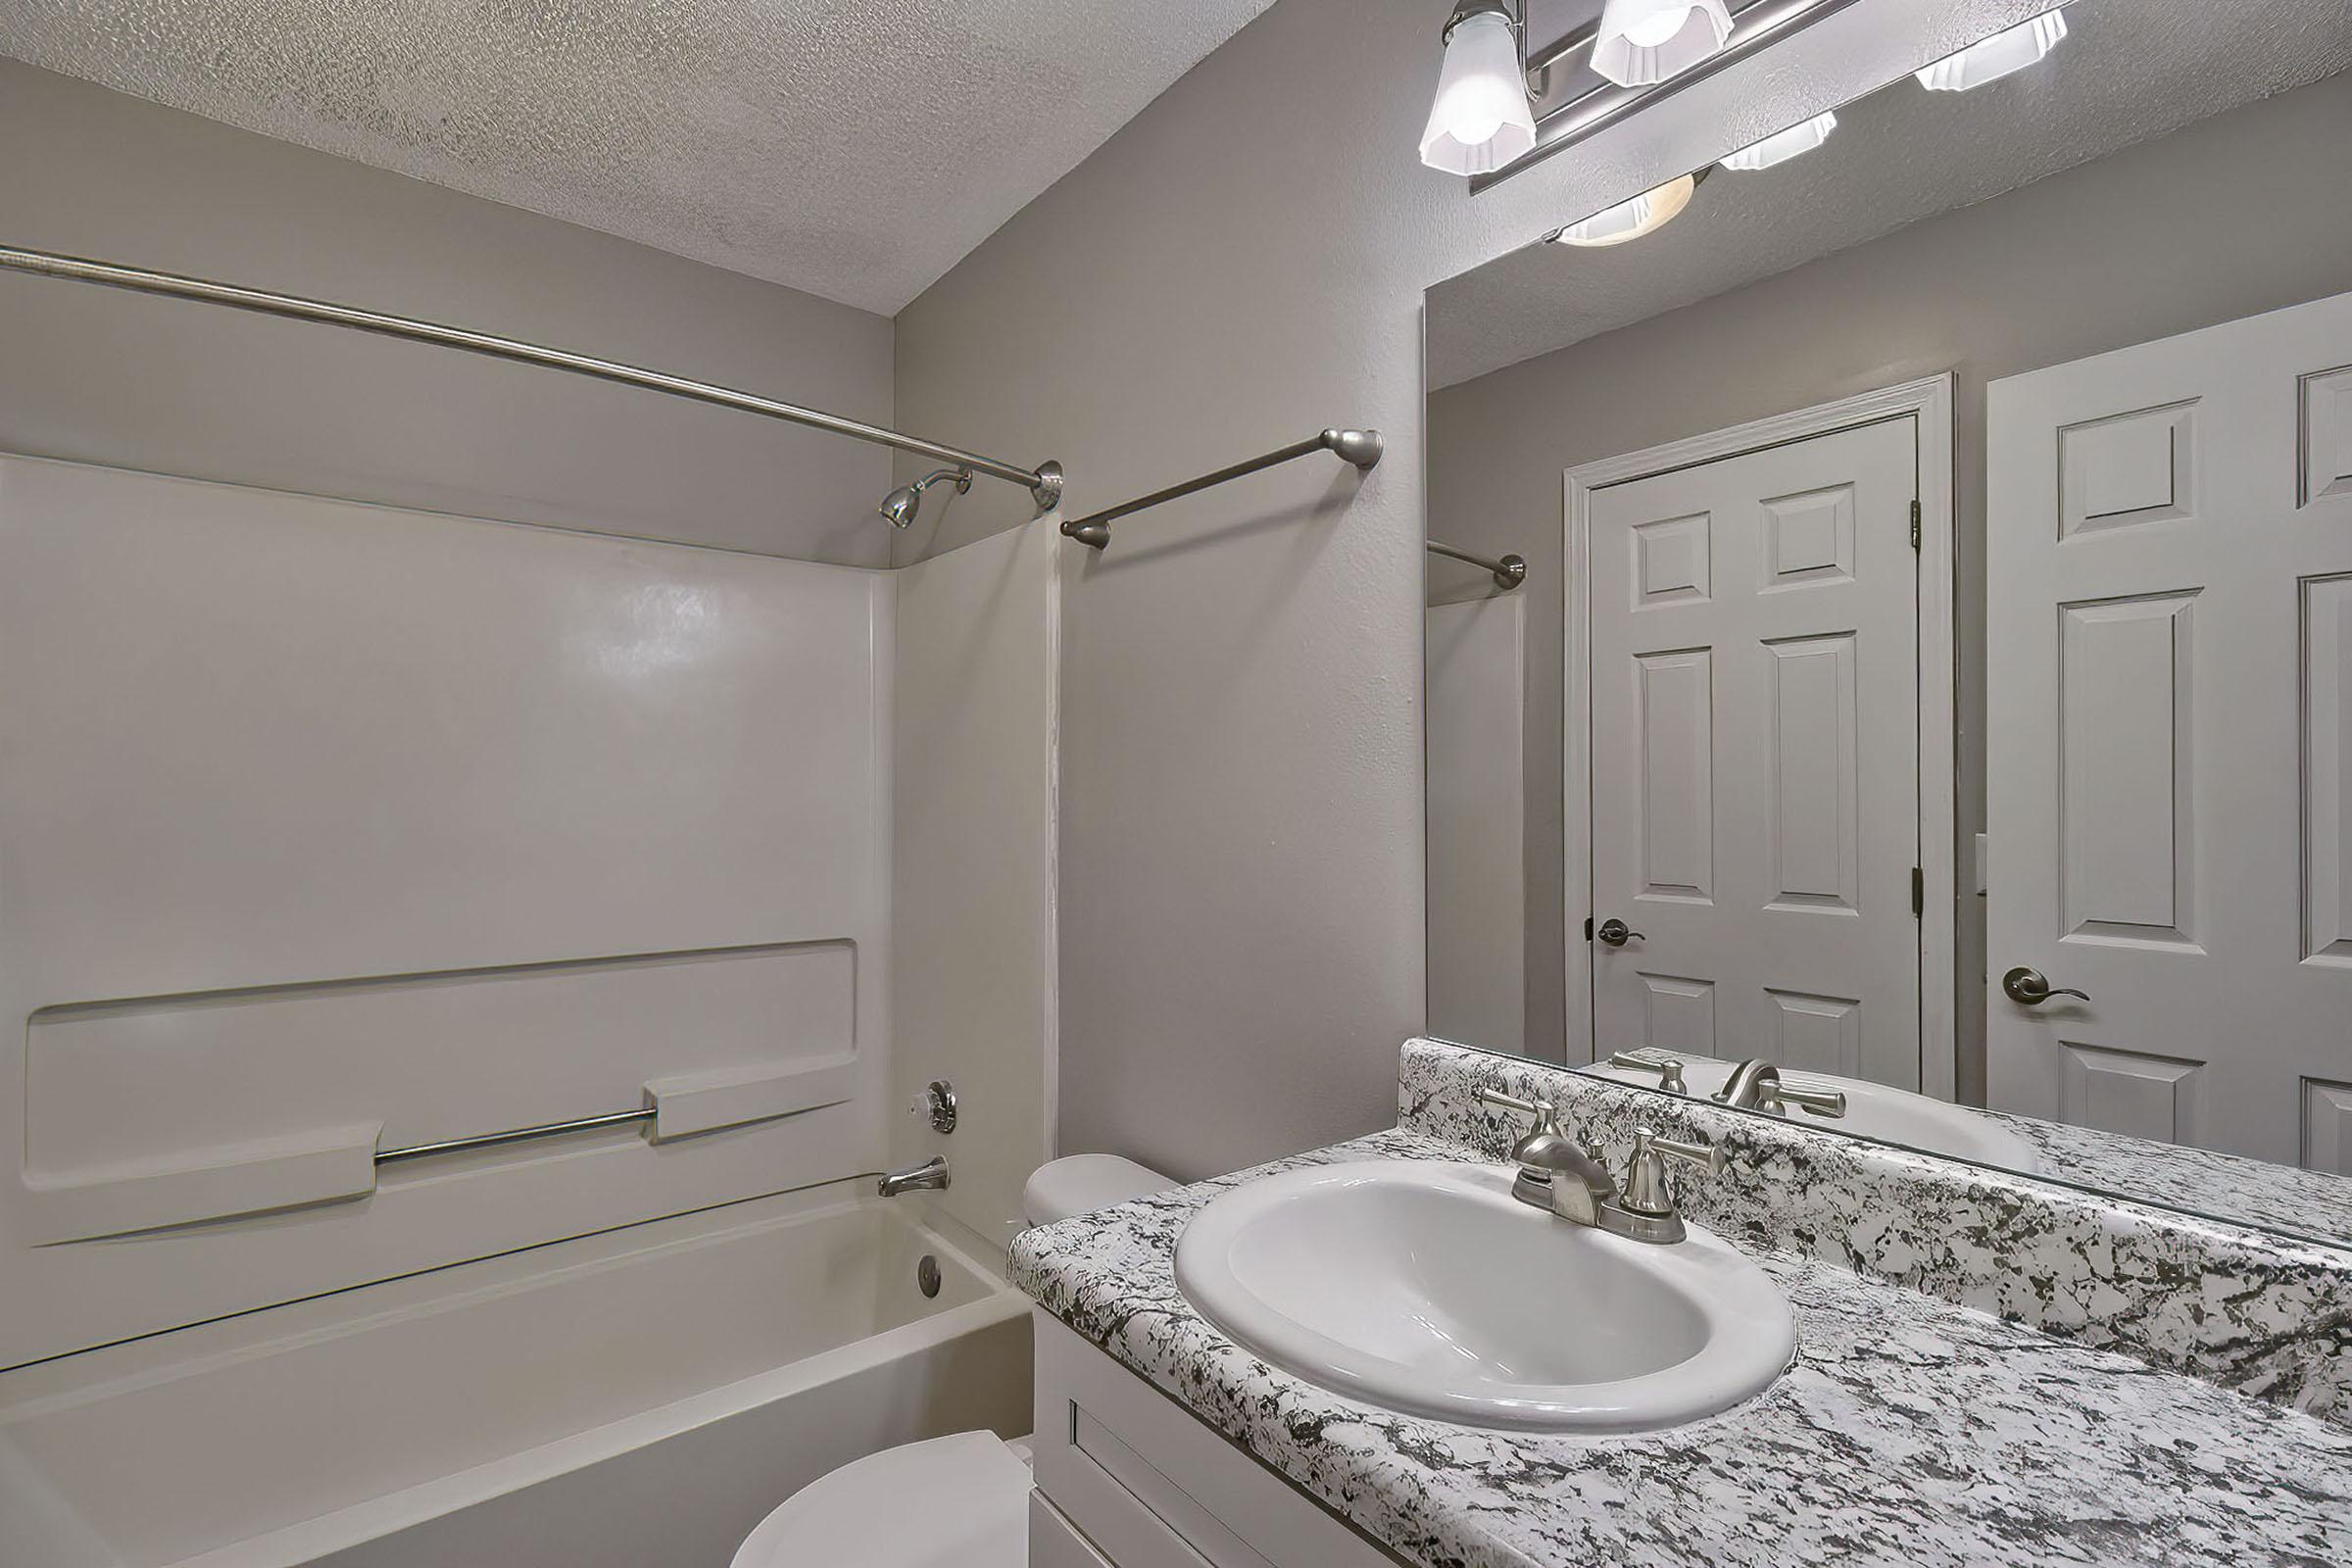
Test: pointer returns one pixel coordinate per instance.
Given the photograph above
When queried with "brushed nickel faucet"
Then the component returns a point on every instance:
(1559, 1175)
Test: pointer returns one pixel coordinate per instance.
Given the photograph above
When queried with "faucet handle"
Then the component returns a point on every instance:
(1648, 1191)
(1538, 1109)
(1817, 1102)
(1668, 1069)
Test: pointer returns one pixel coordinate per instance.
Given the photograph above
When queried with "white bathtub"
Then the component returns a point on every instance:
(638, 1399)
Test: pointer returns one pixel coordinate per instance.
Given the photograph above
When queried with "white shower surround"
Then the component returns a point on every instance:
(583, 808)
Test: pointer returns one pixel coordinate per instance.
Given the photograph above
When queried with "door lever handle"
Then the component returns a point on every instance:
(1616, 933)
(2029, 988)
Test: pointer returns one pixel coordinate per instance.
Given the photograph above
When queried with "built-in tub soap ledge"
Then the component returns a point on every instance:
(339, 1164)
(324, 1165)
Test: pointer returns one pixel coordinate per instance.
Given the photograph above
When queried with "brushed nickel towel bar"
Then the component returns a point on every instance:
(1359, 447)
(1044, 482)
(513, 1135)
(931, 1175)
(1509, 573)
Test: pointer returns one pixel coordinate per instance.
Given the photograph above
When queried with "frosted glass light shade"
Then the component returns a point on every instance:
(1997, 57)
(1783, 145)
(1645, 214)
(1643, 42)
(1480, 119)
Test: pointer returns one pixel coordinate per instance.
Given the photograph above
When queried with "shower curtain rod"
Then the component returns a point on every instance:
(1044, 482)
(1509, 573)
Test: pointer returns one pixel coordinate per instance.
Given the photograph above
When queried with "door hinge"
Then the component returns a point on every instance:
(1915, 526)
(1919, 893)
(1588, 928)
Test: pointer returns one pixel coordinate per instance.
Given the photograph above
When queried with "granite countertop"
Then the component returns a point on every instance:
(1910, 1431)
(2288, 1199)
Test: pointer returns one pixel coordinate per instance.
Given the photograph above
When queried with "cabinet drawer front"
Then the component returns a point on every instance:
(1054, 1543)
(1152, 1487)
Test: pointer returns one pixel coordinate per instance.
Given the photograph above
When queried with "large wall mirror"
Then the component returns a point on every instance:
(1889, 620)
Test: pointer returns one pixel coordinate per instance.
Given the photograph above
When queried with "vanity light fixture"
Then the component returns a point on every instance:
(1783, 145)
(1643, 42)
(1645, 214)
(1480, 119)
(1992, 59)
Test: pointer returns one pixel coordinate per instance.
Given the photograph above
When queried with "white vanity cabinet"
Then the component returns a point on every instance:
(1127, 1478)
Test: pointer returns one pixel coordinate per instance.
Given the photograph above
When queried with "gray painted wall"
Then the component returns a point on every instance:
(178, 388)
(2240, 214)
(1240, 773)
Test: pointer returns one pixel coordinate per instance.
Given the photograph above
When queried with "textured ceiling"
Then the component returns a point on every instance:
(855, 149)
(2130, 71)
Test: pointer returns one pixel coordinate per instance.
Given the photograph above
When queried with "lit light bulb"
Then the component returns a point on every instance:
(1654, 30)
(1479, 120)
(2003, 54)
(1474, 114)
(1783, 145)
(1630, 219)
(1643, 42)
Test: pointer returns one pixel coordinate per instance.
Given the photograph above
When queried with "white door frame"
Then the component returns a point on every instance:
(1930, 401)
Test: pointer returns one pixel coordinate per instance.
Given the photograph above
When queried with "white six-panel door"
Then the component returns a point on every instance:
(1754, 711)
(2170, 684)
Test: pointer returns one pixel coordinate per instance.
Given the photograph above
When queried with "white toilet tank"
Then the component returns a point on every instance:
(1078, 1184)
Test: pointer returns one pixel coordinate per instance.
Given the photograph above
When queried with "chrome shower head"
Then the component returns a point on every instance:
(899, 507)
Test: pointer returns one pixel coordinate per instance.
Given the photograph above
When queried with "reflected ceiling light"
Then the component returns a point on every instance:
(1997, 56)
(1641, 42)
(1645, 214)
(1783, 145)
(1480, 119)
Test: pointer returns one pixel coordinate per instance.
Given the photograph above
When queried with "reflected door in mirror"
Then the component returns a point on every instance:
(1755, 755)
(2169, 685)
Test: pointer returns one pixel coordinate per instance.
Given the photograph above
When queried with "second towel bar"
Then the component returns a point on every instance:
(1359, 447)
(1509, 573)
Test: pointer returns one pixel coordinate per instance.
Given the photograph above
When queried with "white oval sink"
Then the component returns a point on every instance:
(1424, 1287)
(1873, 1110)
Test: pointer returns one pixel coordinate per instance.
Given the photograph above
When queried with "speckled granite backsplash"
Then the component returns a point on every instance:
(2249, 1311)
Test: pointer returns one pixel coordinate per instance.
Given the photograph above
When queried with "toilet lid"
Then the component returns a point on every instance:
(959, 1501)
(1080, 1184)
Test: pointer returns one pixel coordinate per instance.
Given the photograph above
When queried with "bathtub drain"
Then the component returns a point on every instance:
(926, 1275)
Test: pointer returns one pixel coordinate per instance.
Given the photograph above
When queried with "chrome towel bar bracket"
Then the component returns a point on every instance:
(1362, 448)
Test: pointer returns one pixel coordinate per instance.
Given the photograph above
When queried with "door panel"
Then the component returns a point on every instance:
(2170, 686)
(2127, 731)
(2327, 759)
(1814, 835)
(1676, 794)
(2131, 1091)
(1755, 776)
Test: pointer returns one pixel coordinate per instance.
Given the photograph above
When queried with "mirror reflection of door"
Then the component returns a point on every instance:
(1754, 758)
(2170, 554)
